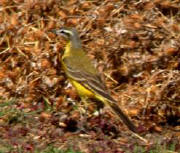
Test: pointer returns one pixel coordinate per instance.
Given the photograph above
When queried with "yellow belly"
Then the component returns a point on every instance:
(82, 91)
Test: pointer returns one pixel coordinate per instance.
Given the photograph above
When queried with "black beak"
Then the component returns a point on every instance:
(59, 32)
(54, 31)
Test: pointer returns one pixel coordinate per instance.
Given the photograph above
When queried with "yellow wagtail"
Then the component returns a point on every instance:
(84, 76)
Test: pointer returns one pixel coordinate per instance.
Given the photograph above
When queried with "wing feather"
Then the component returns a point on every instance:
(91, 81)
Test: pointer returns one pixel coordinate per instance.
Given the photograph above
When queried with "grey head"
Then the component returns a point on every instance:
(70, 34)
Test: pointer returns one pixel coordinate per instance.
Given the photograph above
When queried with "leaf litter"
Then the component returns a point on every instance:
(134, 44)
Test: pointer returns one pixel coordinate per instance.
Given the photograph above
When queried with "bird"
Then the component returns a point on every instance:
(84, 76)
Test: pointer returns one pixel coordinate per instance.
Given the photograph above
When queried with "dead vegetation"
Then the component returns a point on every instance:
(135, 44)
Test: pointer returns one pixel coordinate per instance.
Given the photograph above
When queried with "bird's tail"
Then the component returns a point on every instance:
(113, 105)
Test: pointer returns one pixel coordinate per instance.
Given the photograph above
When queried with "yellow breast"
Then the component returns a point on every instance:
(82, 91)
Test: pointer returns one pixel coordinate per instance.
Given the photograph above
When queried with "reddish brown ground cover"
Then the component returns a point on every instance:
(134, 44)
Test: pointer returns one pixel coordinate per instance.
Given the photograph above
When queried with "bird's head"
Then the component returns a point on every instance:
(67, 33)
(70, 34)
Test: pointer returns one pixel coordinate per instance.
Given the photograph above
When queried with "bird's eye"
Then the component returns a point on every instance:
(62, 31)
(65, 33)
